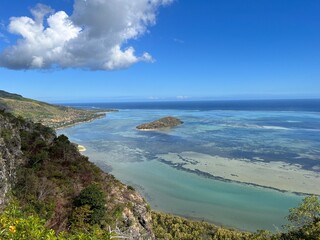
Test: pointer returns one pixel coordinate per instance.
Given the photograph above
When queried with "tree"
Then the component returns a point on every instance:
(306, 213)
(60, 147)
(95, 199)
(80, 218)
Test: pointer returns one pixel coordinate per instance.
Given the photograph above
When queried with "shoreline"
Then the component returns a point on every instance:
(278, 176)
(198, 219)
(81, 148)
(98, 116)
(141, 190)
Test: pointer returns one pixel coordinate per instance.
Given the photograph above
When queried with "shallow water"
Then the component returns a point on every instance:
(130, 155)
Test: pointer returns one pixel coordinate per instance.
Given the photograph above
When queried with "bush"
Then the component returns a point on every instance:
(95, 199)
(306, 213)
(304, 220)
(6, 134)
(14, 224)
(80, 218)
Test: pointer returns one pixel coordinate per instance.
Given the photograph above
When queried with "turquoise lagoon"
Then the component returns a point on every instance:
(117, 147)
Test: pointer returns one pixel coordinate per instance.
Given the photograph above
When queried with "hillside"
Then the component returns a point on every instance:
(49, 178)
(50, 115)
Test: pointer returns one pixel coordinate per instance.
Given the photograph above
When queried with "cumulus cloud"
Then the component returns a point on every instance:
(92, 37)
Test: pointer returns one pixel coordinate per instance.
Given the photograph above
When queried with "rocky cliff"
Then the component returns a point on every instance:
(11, 156)
(46, 173)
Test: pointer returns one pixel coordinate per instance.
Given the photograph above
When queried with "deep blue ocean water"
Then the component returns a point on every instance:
(304, 105)
(276, 130)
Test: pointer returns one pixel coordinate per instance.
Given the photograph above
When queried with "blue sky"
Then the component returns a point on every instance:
(206, 49)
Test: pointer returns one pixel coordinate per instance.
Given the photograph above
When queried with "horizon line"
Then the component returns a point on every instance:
(178, 100)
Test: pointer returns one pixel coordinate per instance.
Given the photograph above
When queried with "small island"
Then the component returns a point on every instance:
(166, 122)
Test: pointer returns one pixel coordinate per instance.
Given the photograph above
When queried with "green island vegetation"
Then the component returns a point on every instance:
(54, 116)
(59, 194)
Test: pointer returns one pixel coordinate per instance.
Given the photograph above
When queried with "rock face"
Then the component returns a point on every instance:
(136, 220)
(166, 122)
(10, 156)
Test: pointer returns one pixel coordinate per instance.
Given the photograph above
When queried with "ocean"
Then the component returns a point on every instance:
(233, 163)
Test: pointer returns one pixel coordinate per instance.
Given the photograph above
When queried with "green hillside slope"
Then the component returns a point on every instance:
(50, 115)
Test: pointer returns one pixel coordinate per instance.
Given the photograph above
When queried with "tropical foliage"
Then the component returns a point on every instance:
(304, 224)
(14, 224)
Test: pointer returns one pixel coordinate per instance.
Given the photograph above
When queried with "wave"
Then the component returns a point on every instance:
(270, 127)
(275, 127)
(285, 128)
(253, 126)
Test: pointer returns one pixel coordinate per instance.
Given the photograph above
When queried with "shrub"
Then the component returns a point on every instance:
(306, 213)
(15, 225)
(80, 218)
(95, 199)
(6, 134)
(304, 220)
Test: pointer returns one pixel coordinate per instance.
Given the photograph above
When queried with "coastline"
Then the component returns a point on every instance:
(99, 115)
(77, 122)
(81, 148)
(277, 175)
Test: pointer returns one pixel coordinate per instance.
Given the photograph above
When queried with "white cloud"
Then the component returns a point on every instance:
(182, 97)
(177, 40)
(3, 38)
(40, 11)
(153, 98)
(93, 37)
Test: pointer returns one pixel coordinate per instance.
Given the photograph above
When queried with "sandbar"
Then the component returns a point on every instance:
(277, 175)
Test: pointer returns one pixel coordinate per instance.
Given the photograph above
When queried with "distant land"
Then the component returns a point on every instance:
(50, 115)
(165, 122)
